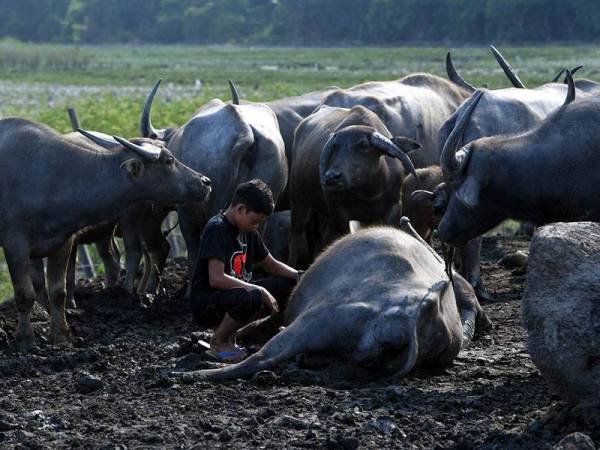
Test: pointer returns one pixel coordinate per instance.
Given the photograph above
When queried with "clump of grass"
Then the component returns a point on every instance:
(18, 57)
(6, 289)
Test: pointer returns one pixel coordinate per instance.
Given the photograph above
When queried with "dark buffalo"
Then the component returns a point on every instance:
(51, 187)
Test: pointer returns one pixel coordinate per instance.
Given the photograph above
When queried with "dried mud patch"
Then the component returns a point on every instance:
(109, 388)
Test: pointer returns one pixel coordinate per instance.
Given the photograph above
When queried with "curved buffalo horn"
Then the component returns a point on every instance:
(558, 75)
(150, 152)
(389, 148)
(103, 140)
(508, 70)
(448, 160)
(146, 128)
(455, 77)
(571, 89)
(235, 97)
(421, 195)
(555, 79)
(325, 156)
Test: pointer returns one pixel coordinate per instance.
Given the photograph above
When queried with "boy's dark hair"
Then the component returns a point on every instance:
(255, 195)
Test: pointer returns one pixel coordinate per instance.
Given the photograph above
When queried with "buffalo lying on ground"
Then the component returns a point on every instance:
(547, 174)
(50, 188)
(347, 167)
(378, 301)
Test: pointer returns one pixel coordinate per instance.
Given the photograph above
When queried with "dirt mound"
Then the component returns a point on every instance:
(109, 388)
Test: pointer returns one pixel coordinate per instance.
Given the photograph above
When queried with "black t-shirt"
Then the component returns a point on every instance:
(224, 241)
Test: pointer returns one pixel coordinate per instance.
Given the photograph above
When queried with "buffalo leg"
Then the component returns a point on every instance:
(158, 249)
(133, 256)
(57, 268)
(70, 280)
(191, 235)
(298, 247)
(38, 277)
(470, 267)
(19, 265)
(112, 266)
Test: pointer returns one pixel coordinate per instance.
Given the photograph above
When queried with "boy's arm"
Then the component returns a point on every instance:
(218, 279)
(279, 269)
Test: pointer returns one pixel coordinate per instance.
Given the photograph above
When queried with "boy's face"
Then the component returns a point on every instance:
(246, 220)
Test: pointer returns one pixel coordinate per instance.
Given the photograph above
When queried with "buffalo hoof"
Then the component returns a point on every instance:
(60, 337)
(70, 303)
(24, 344)
(482, 294)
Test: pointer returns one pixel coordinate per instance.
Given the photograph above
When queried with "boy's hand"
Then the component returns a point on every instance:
(269, 301)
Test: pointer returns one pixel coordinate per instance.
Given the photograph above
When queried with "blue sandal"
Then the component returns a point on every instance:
(228, 357)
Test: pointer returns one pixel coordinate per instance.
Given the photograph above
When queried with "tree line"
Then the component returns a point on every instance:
(300, 22)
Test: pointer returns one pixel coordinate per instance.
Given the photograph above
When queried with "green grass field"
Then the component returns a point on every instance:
(108, 85)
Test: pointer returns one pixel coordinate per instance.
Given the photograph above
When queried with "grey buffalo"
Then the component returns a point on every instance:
(415, 107)
(547, 174)
(290, 111)
(347, 167)
(229, 143)
(501, 112)
(377, 302)
(51, 187)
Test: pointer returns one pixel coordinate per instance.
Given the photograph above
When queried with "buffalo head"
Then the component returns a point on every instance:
(353, 158)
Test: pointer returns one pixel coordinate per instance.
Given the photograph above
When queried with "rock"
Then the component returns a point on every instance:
(265, 378)
(561, 308)
(292, 422)
(89, 383)
(225, 436)
(384, 425)
(575, 441)
(7, 426)
(514, 260)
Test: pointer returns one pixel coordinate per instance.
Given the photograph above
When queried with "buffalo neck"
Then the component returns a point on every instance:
(98, 187)
(542, 180)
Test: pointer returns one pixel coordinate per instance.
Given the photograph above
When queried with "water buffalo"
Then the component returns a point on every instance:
(347, 167)
(50, 188)
(546, 174)
(140, 227)
(415, 107)
(378, 301)
(290, 111)
(501, 112)
(419, 194)
(230, 144)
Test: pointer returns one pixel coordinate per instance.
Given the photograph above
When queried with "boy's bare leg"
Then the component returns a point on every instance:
(221, 340)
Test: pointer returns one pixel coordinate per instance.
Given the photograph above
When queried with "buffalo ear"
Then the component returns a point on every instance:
(405, 144)
(468, 192)
(134, 167)
(421, 196)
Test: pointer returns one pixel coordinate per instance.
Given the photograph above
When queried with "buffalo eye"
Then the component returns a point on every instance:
(170, 161)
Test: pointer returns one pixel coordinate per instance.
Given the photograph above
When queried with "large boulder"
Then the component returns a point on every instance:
(561, 307)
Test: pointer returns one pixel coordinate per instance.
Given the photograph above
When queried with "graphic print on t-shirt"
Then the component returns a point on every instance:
(237, 263)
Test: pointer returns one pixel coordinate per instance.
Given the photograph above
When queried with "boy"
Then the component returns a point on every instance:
(223, 290)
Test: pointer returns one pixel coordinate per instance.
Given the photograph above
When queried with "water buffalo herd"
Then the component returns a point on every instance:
(404, 157)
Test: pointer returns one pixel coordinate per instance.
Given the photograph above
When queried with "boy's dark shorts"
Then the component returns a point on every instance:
(209, 308)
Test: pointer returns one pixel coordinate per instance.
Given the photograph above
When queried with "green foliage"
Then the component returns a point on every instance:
(300, 22)
(6, 290)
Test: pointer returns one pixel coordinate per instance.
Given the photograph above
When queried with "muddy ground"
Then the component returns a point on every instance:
(108, 389)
